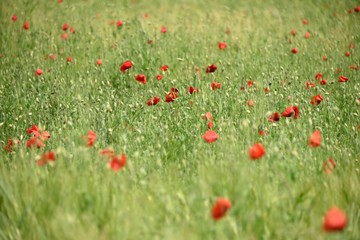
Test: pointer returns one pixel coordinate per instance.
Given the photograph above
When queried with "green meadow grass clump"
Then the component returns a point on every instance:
(172, 177)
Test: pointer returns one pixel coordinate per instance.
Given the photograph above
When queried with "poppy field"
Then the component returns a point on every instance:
(179, 119)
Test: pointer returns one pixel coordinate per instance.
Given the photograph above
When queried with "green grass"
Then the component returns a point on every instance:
(173, 177)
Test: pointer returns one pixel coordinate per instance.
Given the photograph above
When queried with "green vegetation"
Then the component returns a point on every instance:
(172, 176)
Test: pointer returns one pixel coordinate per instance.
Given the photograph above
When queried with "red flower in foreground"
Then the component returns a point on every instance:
(65, 26)
(291, 111)
(172, 95)
(119, 24)
(116, 163)
(274, 117)
(315, 139)
(91, 138)
(357, 9)
(99, 62)
(192, 90)
(163, 29)
(14, 18)
(164, 68)
(220, 208)
(141, 78)
(125, 66)
(46, 157)
(343, 79)
(38, 72)
(329, 165)
(153, 101)
(222, 45)
(210, 69)
(215, 85)
(256, 151)
(210, 136)
(294, 50)
(316, 100)
(334, 220)
(159, 77)
(26, 25)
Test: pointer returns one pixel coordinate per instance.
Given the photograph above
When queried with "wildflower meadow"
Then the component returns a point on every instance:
(184, 119)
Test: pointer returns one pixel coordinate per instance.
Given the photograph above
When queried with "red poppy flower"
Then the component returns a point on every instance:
(119, 24)
(305, 21)
(210, 136)
(99, 62)
(141, 78)
(9, 146)
(64, 36)
(146, 15)
(34, 130)
(222, 45)
(215, 85)
(117, 163)
(318, 76)
(250, 103)
(316, 100)
(35, 142)
(329, 165)
(263, 132)
(164, 68)
(274, 117)
(14, 18)
(69, 59)
(72, 30)
(309, 84)
(163, 29)
(334, 220)
(354, 67)
(91, 138)
(220, 208)
(266, 90)
(45, 135)
(256, 151)
(65, 26)
(52, 56)
(323, 82)
(192, 90)
(315, 139)
(210, 125)
(208, 116)
(159, 77)
(343, 79)
(172, 95)
(125, 66)
(294, 50)
(291, 111)
(46, 157)
(38, 72)
(107, 152)
(153, 101)
(250, 83)
(210, 69)
(357, 9)
(26, 25)
(347, 54)
(293, 32)
(324, 58)
(307, 35)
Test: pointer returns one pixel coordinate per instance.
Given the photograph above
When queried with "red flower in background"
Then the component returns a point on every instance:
(35, 142)
(250, 103)
(309, 84)
(210, 69)
(250, 83)
(116, 163)
(222, 45)
(315, 139)
(329, 165)
(305, 21)
(291, 111)
(316, 100)
(91, 138)
(9, 147)
(153, 101)
(99, 62)
(46, 157)
(334, 220)
(220, 208)
(163, 29)
(65, 26)
(107, 152)
(293, 32)
(357, 9)
(141, 78)
(125, 66)
(294, 50)
(14, 18)
(266, 90)
(347, 54)
(164, 68)
(323, 82)
(307, 35)
(38, 138)
(210, 125)
(256, 151)
(210, 136)
(343, 79)
(318, 76)
(26, 25)
(69, 59)
(72, 30)
(208, 116)
(159, 77)
(215, 85)
(38, 72)
(354, 67)
(172, 95)
(274, 117)
(324, 58)
(192, 90)
(119, 24)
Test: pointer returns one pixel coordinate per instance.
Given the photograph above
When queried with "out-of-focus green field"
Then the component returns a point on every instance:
(172, 176)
